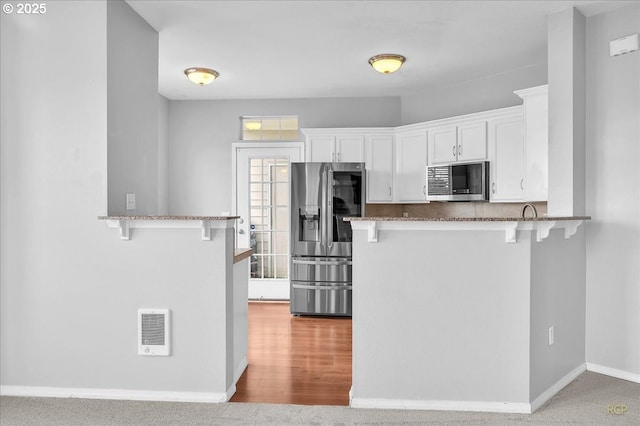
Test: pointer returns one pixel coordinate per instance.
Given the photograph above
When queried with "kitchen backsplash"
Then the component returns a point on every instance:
(452, 209)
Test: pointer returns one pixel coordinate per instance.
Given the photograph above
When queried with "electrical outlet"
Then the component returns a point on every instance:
(131, 201)
(552, 336)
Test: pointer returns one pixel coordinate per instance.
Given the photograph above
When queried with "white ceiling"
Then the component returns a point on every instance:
(308, 49)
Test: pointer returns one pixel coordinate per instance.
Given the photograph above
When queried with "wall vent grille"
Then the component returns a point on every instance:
(153, 332)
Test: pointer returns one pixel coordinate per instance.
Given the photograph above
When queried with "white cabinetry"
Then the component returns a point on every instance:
(379, 165)
(536, 142)
(458, 142)
(519, 149)
(411, 164)
(507, 157)
(328, 145)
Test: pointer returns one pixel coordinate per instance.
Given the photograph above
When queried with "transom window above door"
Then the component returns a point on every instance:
(269, 128)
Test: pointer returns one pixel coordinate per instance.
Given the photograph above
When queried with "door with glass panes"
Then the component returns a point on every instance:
(262, 202)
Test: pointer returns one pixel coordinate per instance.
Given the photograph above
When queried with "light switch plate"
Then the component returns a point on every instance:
(131, 201)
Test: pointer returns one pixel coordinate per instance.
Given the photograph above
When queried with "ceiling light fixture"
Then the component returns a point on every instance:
(201, 76)
(387, 62)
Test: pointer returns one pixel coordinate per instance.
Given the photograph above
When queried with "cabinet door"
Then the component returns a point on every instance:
(349, 149)
(507, 165)
(379, 168)
(536, 113)
(411, 165)
(442, 145)
(320, 148)
(472, 141)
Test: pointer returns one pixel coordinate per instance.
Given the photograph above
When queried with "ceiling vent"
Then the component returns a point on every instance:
(153, 332)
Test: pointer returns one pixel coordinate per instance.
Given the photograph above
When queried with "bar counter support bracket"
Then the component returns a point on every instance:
(124, 230)
(543, 230)
(571, 228)
(372, 232)
(206, 230)
(510, 232)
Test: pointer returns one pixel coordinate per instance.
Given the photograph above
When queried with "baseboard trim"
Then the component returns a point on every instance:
(557, 387)
(119, 394)
(613, 372)
(241, 367)
(440, 405)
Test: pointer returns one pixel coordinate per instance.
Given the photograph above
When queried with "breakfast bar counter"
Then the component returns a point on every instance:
(476, 314)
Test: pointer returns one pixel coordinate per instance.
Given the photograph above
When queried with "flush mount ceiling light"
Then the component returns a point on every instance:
(201, 76)
(387, 62)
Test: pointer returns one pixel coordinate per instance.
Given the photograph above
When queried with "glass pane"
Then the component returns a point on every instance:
(269, 128)
(269, 210)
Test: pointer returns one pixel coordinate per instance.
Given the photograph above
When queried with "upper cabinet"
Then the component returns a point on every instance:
(379, 166)
(328, 145)
(507, 157)
(513, 139)
(519, 149)
(536, 142)
(458, 142)
(411, 166)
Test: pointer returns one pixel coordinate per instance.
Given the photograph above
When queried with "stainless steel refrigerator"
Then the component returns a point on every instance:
(322, 194)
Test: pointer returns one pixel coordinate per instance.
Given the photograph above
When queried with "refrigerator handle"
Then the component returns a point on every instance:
(329, 212)
(323, 213)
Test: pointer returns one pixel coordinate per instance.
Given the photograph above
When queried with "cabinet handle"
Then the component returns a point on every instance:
(389, 190)
(454, 151)
(460, 150)
(338, 157)
(493, 188)
(424, 189)
(522, 184)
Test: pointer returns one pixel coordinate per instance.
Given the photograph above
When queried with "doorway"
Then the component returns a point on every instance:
(261, 199)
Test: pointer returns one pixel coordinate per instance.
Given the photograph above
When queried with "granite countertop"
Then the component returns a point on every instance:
(168, 217)
(464, 219)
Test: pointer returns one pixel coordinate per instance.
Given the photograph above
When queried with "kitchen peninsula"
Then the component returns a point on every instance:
(189, 265)
(479, 314)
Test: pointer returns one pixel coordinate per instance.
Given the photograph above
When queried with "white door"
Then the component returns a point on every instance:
(262, 202)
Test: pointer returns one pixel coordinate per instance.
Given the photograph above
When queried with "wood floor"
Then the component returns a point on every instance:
(295, 360)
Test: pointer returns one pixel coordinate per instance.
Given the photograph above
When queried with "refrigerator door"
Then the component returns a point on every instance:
(307, 206)
(345, 198)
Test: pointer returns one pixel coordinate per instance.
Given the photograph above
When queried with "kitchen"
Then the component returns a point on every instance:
(197, 159)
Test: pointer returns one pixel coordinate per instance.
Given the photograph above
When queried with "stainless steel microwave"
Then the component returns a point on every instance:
(458, 182)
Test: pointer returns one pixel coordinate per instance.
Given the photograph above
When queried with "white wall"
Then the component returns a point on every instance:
(613, 198)
(557, 299)
(446, 323)
(69, 287)
(132, 114)
(491, 92)
(201, 134)
(163, 155)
